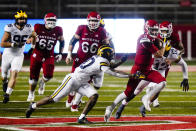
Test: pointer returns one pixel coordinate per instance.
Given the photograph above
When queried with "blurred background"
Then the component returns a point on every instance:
(182, 13)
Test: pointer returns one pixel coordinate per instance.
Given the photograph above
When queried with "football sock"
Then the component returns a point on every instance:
(118, 99)
(82, 116)
(77, 99)
(9, 91)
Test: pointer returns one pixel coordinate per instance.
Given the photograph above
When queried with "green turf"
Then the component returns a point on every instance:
(173, 100)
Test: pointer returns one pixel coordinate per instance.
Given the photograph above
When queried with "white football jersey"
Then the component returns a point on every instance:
(17, 36)
(93, 66)
(160, 64)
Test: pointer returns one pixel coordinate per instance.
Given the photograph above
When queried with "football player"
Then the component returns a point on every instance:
(43, 54)
(90, 37)
(13, 40)
(145, 52)
(97, 80)
(78, 81)
(173, 51)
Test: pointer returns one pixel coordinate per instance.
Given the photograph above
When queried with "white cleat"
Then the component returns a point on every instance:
(31, 98)
(67, 104)
(41, 87)
(108, 113)
(156, 103)
(146, 103)
(74, 108)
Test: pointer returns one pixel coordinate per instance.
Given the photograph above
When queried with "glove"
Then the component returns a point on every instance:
(124, 58)
(17, 44)
(58, 57)
(138, 75)
(185, 85)
(30, 52)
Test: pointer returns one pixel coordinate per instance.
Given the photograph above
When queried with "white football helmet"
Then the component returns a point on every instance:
(50, 20)
(93, 19)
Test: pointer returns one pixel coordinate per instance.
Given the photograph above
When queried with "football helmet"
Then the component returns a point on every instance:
(106, 51)
(93, 19)
(102, 23)
(50, 20)
(151, 28)
(21, 15)
(165, 29)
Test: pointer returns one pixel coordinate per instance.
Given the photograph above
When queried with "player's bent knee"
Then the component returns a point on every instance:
(47, 78)
(32, 82)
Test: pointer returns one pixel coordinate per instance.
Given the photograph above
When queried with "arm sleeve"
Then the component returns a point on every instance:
(60, 31)
(113, 73)
(183, 64)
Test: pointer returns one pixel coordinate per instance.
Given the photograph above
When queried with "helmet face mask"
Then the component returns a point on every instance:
(93, 19)
(151, 28)
(165, 29)
(50, 20)
(21, 18)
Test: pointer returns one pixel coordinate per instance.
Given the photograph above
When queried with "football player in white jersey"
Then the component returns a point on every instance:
(14, 38)
(78, 81)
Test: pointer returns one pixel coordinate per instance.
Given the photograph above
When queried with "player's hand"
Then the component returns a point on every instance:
(30, 52)
(124, 58)
(138, 75)
(185, 85)
(58, 57)
(68, 59)
(17, 44)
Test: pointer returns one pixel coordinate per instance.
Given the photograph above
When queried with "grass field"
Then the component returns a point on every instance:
(174, 102)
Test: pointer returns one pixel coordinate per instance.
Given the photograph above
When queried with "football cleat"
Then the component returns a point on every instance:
(84, 121)
(156, 103)
(31, 98)
(41, 87)
(5, 98)
(30, 110)
(146, 103)
(143, 111)
(5, 86)
(67, 104)
(119, 111)
(108, 113)
(74, 108)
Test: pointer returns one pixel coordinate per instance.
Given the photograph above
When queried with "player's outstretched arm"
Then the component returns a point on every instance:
(123, 59)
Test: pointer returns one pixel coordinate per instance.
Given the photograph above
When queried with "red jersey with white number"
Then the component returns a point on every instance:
(46, 40)
(144, 53)
(89, 41)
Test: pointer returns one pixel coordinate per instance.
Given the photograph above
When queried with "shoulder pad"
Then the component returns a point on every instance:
(9, 25)
(28, 25)
(145, 39)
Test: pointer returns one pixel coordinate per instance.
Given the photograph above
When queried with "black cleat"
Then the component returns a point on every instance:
(84, 121)
(6, 98)
(30, 111)
(119, 111)
(5, 86)
(143, 111)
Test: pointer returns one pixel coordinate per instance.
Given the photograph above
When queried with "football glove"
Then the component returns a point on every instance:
(17, 44)
(58, 57)
(138, 75)
(30, 52)
(124, 58)
(185, 85)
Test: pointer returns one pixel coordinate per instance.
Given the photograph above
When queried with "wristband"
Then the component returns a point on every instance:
(12, 44)
(69, 54)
